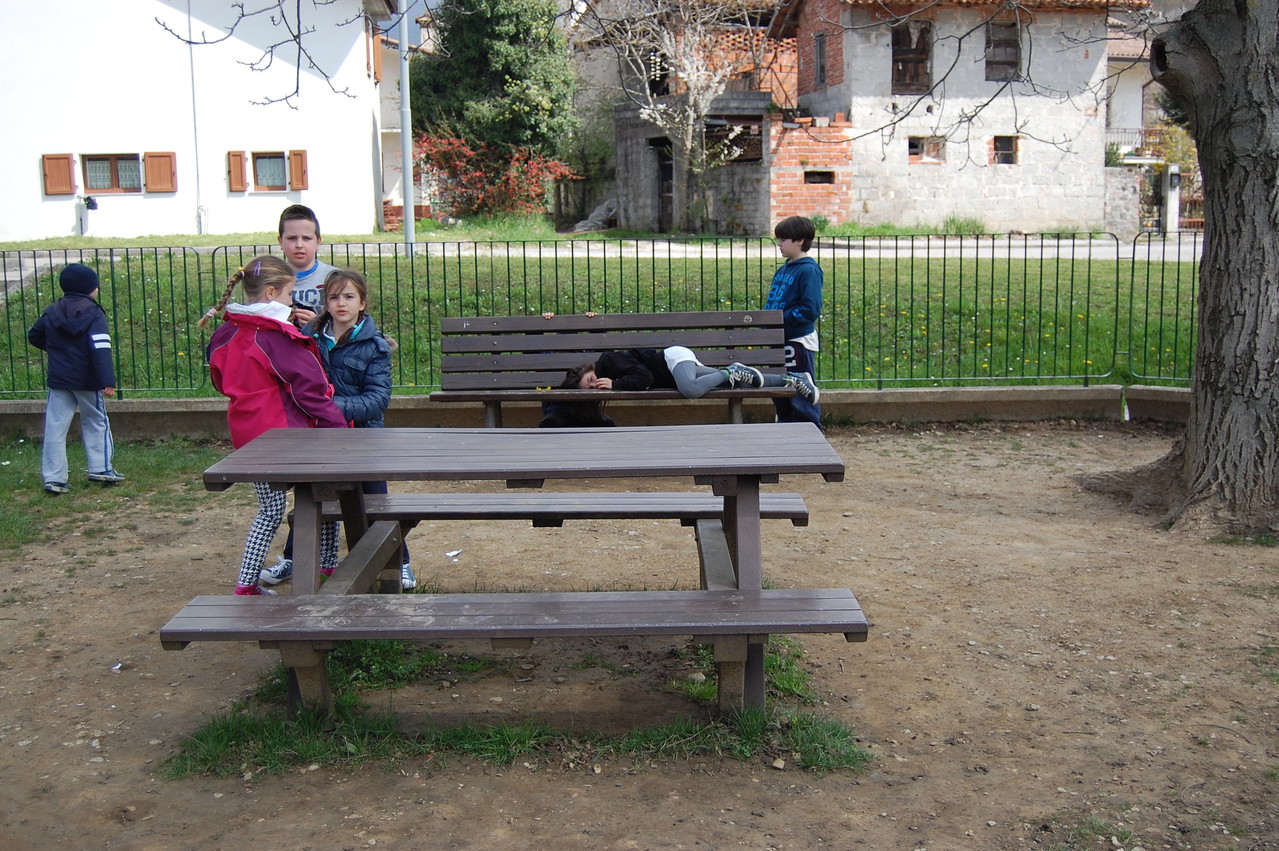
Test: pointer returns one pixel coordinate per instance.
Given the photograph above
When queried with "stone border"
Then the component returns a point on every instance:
(203, 418)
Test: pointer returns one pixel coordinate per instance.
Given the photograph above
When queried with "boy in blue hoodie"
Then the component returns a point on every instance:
(797, 292)
(73, 333)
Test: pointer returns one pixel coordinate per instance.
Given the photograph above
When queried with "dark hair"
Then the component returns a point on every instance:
(253, 277)
(299, 211)
(336, 282)
(573, 378)
(797, 228)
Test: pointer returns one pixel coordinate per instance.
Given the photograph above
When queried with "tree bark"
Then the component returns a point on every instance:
(1222, 60)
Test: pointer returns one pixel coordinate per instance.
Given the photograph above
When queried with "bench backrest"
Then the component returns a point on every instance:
(526, 352)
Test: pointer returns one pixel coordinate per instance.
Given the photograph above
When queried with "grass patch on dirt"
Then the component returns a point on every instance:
(255, 737)
(164, 477)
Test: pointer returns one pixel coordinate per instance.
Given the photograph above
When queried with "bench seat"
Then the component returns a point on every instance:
(305, 626)
(500, 359)
(546, 508)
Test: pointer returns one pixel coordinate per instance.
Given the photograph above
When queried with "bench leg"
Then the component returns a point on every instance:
(307, 684)
(492, 414)
(739, 663)
(735, 416)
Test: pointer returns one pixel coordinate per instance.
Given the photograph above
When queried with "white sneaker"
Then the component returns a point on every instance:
(407, 580)
(277, 573)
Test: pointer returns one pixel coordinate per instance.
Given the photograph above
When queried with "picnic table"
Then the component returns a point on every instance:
(732, 610)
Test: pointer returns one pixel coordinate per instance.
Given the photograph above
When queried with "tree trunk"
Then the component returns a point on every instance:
(1222, 61)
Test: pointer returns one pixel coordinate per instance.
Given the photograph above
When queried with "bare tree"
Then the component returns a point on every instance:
(673, 65)
(1223, 474)
(290, 22)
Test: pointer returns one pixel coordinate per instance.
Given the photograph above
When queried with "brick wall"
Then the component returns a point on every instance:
(806, 153)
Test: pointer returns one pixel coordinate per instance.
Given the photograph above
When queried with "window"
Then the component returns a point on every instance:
(112, 172)
(925, 149)
(819, 59)
(742, 134)
(1003, 51)
(269, 172)
(273, 171)
(1003, 150)
(59, 174)
(912, 55)
(819, 177)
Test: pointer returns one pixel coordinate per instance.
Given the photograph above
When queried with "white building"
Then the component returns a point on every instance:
(963, 109)
(117, 125)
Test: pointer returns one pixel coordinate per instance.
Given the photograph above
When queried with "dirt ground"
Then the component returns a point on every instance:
(1044, 670)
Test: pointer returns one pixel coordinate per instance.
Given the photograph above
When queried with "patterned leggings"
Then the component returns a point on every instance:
(271, 506)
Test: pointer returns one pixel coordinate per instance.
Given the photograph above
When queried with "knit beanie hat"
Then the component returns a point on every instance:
(78, 278)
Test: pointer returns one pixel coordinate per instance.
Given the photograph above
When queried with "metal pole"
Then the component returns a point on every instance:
(406, 128)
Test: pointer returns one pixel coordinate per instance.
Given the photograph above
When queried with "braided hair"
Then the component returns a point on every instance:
(254, 276)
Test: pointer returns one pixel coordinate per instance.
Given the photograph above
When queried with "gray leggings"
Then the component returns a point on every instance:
(694, 380)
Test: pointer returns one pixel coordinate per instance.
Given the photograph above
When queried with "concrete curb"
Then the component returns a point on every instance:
(205, 418)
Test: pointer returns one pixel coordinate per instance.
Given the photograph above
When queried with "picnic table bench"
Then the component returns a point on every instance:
(551, 509)
(498, 359)
(732, 611)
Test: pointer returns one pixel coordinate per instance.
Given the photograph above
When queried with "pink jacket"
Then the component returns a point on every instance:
(272, 374)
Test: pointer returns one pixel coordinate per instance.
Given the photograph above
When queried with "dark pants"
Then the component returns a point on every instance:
(795, 409)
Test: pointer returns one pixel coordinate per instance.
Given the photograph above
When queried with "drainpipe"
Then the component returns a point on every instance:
(406, 130)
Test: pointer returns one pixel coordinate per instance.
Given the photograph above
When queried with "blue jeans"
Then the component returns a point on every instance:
(95, 431)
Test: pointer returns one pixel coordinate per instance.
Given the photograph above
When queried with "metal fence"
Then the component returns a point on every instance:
(899, 311)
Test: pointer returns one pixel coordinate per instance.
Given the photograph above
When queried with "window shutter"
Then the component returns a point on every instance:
(297, 170)
(235, 177)
(59, 174)
(161, 172)
(379, 47)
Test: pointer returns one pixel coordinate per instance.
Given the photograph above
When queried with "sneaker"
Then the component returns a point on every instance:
(111, 477)
(253, 591)
(804, 386)
(278, 572)
(741, 375)
(407, 580)
(57, 487)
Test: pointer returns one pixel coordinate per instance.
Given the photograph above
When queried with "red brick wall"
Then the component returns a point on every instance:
(820, 16)
(793, 151)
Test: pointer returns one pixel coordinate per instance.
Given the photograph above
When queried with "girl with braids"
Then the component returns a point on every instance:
(357, 359)
(272, 374)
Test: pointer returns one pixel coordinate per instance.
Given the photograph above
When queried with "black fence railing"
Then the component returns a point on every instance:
(899, 311)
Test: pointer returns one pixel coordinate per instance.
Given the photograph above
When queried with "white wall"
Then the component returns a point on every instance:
(1058, 181)
(105, 78)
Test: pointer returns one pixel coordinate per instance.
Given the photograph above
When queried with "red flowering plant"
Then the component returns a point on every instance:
(479, 179)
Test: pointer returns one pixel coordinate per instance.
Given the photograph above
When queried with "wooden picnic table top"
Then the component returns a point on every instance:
(293, 456)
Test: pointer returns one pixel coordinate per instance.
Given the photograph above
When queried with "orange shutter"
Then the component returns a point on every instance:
(379, 47)
(59, 174)
(297, 170)
(161, 172)
(235, 177)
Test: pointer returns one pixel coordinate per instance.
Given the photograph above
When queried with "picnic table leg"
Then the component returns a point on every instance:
(307, 684)
(306, 540)
(742, 530)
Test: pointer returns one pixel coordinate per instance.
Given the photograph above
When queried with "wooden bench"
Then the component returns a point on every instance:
(304, 627)
(550, 509)
(497, 359)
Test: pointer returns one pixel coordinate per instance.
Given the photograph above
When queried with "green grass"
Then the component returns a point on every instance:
(899, 311)
(165, 477)
(254, 737)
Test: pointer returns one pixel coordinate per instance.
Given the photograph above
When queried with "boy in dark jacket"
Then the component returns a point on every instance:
(797, 292)
(73, 333)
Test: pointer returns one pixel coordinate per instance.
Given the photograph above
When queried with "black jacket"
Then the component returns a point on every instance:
(636, 369)
(73, 333)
